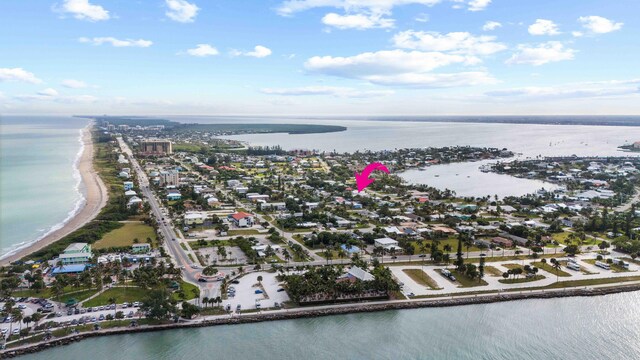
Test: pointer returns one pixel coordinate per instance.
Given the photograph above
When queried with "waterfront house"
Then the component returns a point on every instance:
(76, 253)
(128, 185)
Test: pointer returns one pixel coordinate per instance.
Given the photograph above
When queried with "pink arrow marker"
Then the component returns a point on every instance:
(363, 180)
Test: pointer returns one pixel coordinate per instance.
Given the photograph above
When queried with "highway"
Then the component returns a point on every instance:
(171, 239)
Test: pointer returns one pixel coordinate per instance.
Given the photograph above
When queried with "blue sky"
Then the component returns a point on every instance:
(319, 57)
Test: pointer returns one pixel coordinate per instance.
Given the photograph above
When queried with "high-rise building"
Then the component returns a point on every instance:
(168, 178)
(156, 147)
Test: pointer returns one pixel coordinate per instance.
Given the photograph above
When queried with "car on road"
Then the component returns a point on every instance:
(280, 290)
(422, 256)
(202, 280)
(235, 282)
(258, 291)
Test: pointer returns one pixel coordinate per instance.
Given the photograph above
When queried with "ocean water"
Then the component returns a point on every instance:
(586, 328)
(40, 187)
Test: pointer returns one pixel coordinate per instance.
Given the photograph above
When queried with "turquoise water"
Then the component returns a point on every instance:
(39, 185)
(605, 327)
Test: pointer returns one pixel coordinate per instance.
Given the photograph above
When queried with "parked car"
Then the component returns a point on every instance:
(235, 282)
(258, 291)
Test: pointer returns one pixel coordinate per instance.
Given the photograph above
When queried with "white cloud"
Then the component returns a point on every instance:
(48, 92)
(259, 51)
(543, 27)
(577, 33)
(203, 50)
(422, 17)
(74, 84)
(357, 21)
(290, 7)
(478, 5)
(455, 42)
(541, 54)
(116, 42)
(599, 25)
(181, 10)
(335, 91)
(399, 68)
(18, 74)
(84, 10)
(596, 89)
(491, 25)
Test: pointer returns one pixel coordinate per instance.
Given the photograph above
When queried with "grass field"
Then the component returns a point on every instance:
(466, 281)
(421, 278)
(549, 268)
(492, 271)
(120, 294)
(124, 236)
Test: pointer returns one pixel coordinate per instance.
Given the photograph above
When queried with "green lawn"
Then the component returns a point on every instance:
(466, 281)
(523, 279)
(187, 288)
(492, 271)
(549, 268)
(70, 292)
(124, 236)
(121, 294)
(421, 278)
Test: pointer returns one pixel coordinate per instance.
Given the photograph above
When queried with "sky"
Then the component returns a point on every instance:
(320, 57)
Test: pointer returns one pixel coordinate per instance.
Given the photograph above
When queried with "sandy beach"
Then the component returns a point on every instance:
(94, 191)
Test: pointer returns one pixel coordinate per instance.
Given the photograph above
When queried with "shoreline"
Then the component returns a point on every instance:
(95, 198)
(328, 310)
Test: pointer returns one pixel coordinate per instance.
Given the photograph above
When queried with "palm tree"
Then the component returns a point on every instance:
(27, 320)
(17, 316)
(205, 301)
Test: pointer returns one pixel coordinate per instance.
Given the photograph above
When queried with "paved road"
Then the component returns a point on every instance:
(189, 274)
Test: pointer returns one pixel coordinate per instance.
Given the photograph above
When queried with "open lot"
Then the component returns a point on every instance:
(245, 292)
(125, 235)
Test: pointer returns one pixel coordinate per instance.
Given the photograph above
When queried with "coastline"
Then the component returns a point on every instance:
(328, 310)
(95, 197)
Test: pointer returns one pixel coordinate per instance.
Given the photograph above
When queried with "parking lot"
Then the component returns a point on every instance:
(245, 292)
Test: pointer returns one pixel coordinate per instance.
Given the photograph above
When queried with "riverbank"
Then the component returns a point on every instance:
(298, 313)
(95, 198)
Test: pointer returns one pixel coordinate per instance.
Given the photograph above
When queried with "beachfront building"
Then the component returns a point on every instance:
(241, 219)
(76, 253)
(156, 147)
